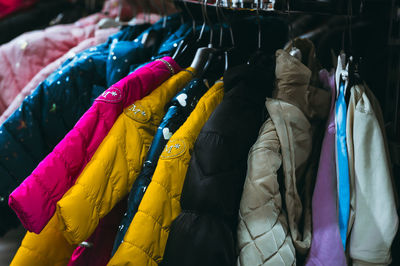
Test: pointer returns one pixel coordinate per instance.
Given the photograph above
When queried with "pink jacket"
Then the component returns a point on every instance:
(100, 36)
(34, 201)
(22, 58)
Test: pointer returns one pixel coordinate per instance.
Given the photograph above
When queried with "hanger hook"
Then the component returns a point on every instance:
(164, 13)
(227, 22)
(290, 24)
(118, 18)
(204, 22)
(259, 25)
(191, 16)
(221, 28)
(209, 24)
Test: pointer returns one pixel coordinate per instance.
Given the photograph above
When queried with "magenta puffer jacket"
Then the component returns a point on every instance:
(100, 36)
(22, 58)
(34, 201)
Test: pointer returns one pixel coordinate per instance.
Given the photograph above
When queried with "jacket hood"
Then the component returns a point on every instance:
(297, 81)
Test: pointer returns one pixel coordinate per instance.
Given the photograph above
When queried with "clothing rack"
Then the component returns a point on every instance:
(317, 7)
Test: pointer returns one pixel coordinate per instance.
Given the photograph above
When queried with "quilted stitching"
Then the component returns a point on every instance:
(258, 239)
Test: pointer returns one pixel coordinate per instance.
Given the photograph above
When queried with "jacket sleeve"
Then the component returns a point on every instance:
(376, 219)
(38, 125)
(106, 179)
(261, 220)
(47, 248)
(59, 170)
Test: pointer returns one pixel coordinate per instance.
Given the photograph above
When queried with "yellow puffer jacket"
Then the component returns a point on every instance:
(106, 179)
(144, 242)
(109, 176)
(49, 248)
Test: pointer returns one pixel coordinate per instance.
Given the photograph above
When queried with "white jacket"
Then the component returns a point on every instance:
(374, 220)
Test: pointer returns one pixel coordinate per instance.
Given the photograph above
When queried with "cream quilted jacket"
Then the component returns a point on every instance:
(266, 234)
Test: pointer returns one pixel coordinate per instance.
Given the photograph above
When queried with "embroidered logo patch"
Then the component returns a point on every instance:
(111, 95)
(174, 149)
(137, 112)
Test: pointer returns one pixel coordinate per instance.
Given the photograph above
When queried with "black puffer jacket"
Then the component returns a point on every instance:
(205, 232)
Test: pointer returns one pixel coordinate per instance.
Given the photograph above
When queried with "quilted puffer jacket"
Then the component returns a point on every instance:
(112, 167)
(34, 201)
(145, 240)
(102, 239)
(100, 36)
(96, 250)
(22, 58)
(50, 112)
(56, 105)
(180, 108)
(298, 108)
(263, 236)
(266, 235)
(205, 231)
(91, 199)
(47, 115)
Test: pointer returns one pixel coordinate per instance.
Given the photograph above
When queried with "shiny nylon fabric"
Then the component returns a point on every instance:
(35, 199)
(44, 117)
(116, 163)
(181, 107)
(133, 130)
(26, 55)
(100, 36)
(104, 235)
(205, 231)
(145, 240)
(55, 106)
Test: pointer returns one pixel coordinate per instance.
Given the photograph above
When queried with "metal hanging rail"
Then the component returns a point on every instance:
(317, 7)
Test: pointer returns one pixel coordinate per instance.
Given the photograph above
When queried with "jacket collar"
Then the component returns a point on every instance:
(297, 84)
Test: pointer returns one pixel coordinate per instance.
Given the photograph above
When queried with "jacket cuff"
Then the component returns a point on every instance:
(77, 214)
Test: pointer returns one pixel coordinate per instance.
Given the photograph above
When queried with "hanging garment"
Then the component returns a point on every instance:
(22, 58)
(134, 128)
(297, 107)
(205, 231)
(56, 105)
(115, 165)
(145, 240)
(71, 155)
(180, 108)
(100, 36)
(342, 160)
(373, 200)
(49, 248)
(326, 245)
(96, 250)
(101, 243)
(263, 236)
(38, 17)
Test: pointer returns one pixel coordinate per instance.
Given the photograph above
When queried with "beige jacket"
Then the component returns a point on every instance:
(266, 235)
(263, 235)
(374, 221)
